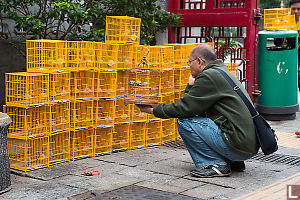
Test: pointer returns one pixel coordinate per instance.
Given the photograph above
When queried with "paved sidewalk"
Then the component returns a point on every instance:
(162, 172)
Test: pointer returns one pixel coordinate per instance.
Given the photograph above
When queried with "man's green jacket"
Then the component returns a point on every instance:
(213, 97)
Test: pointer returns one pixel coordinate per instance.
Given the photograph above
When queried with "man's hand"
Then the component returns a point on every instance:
(191, 80)
(145, 108)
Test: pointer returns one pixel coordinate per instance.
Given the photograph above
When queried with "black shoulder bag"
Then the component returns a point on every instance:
(264, 133)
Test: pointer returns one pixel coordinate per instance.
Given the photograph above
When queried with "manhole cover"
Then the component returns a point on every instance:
(134, 192)
(178, 144)
(278, 158)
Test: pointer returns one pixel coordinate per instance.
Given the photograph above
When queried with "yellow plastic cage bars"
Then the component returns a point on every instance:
(166, 98)
(60, 117)
(278, 18)
(109, 59)
(122, 85)
(122, 112)
(178, 94)
(80, 55)
(185, 74)
(98, 55)
(154, 56)
(161, 81)
(27, 155)
(137, 115)
(82, 84)
(155, 81)
(103, 140)
(167, 81)
(104, 112)
(28, 122)
(82, 143)
(122, 29)
(45, 55)
(166, 57)
(177, 77)
(59, 85)
(139, 52)
(179, 54)
(233, 68)
(125, 56)
(105, 83)
(168, 130)
(27, 89)
(153, 133)
(81, 114)
(138, 134)
(120, 141)
(59, 148)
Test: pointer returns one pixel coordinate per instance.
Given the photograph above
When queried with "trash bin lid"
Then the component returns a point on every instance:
(4, 119)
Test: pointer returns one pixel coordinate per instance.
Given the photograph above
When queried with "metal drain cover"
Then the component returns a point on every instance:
(178, 144)
(278, 158)
(134, 192)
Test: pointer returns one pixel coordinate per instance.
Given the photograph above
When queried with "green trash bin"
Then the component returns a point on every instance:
(277, 74)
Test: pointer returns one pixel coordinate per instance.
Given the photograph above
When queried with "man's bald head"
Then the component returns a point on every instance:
(205, 51)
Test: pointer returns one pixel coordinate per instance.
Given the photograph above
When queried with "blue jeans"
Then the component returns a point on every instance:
(203, 139)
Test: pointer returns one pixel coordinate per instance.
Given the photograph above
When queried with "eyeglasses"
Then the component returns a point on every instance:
(190, 61)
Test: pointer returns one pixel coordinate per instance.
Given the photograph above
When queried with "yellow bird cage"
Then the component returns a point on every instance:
(27, 89)
(59, 148)
(109, 59)
(138, 134)
(137, 115)
(81, 114)
(103, 140)
(104, 112)
(27, 155)
(233, 68)
(82, 143)
(82, 84)
(105, 83)
(168, 130)
(59, 85)
(29, 122)
(122, 29)
(45, 55)
(125, 56)
(120, 141)
(154, 132)
(122, 85)
(180, 51)
(80, 55)
(122, 111)
(278, 18)
(60, 117)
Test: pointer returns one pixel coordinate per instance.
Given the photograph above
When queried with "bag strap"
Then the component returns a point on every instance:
(238, 90)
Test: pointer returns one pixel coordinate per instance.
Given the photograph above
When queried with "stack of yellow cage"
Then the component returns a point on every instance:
(70, 102)
(279, 18)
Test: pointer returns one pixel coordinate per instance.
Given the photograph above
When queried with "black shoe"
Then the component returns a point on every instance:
(237, 166)
(212, 171)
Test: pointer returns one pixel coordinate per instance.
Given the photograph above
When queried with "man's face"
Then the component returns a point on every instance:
(296, 11)
(196, 65)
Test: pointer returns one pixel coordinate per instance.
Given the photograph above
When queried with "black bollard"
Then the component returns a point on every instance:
(4, 159)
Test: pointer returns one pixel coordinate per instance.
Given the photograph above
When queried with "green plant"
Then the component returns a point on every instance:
(77, 19)
(224, 48)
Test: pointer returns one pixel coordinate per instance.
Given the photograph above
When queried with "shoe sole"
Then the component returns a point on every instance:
(216, 175)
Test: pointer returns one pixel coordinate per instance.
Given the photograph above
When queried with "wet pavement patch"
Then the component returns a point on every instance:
(134, 192)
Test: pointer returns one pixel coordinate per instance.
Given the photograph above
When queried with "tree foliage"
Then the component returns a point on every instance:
(78, 19)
